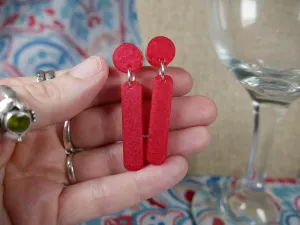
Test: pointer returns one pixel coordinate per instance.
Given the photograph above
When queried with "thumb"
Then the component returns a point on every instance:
(63, 97)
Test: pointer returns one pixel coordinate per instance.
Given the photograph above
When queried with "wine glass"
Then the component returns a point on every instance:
(259, 42)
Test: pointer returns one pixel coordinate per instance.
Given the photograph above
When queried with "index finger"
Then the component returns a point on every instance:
(111, 92)
(18, 81)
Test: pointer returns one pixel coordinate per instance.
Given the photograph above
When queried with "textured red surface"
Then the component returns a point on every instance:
(127, 56)
(159, 120)
(160, 49)
(132, 125)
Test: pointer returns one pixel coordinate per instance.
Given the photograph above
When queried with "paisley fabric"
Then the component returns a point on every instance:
(57, 34)
(175, 206)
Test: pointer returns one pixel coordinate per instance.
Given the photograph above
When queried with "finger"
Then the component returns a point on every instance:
(17, 81)
(65, 96)
(109, 159)
(111, 92)
(107, 195)
(103, 125)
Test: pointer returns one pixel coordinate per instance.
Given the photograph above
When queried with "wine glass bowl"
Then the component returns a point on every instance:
(259, 43)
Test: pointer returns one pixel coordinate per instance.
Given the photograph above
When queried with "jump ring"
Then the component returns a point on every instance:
(162, 70)
(70, 169)
(129, 77)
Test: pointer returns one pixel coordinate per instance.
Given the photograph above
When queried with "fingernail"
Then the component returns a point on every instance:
(88, 68)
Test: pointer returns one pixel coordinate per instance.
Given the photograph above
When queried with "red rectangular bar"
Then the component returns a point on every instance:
(159, 120)
(132, 126)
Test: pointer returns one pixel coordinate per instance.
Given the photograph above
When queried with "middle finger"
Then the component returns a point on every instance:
(103, 125)
(109, 159)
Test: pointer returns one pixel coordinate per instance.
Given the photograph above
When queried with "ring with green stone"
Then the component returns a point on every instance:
(16, 118)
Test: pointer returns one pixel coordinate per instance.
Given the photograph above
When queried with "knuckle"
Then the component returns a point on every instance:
(19, 81)
(41, 92)
(112, 159)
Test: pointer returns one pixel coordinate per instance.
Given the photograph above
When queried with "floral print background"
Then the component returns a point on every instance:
(57, 34)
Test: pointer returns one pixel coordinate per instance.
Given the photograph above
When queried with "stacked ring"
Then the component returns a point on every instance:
(69, 148)
(70, 151)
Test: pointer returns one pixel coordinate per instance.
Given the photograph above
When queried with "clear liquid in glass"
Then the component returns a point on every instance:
(264, 84)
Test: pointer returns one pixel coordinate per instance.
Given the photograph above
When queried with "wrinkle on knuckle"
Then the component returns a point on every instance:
(43, 93)
(21, 80)
(111, 162)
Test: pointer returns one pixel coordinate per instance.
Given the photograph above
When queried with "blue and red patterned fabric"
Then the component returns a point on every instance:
(57, 34)
(174, 206)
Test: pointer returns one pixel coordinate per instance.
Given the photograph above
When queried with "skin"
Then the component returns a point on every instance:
(35, 187)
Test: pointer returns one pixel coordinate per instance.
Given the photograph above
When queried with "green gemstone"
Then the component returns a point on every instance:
(18, 124)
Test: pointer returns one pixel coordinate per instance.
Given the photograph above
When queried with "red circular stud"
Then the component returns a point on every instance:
(127, 56)
(160, 49)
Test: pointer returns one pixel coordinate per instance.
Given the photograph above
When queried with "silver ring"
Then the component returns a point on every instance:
(68, 144)
(44, 75)
(70, 150)
(70, 169)
(162, 70)
(15, 117)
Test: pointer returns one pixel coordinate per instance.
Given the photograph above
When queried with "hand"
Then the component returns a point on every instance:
(33, 172)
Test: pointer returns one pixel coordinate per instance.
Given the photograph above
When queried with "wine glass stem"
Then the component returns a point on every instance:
(266, 118)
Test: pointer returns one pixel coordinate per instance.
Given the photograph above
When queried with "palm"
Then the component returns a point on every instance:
(35, 178)
(35, 185)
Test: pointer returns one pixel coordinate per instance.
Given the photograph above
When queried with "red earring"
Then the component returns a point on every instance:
(160, 52)
(127, 58)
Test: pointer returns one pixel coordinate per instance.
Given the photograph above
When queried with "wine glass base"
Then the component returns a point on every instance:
(205, 210)
(244, 204)
(206, 207)
(233, 203)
